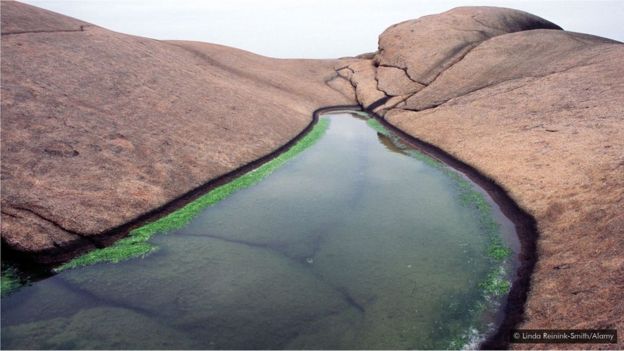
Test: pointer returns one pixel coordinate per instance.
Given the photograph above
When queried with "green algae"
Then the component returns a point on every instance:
(9, 280)
(136, 245)
(498, 251)
(496, 284)
(376, 125)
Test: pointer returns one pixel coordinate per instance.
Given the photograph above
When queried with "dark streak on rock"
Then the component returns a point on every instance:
(45, 219)
(404, 69)
(378, 103)
(338, 76)
(81, 29)
(494, 84)
(350, 82)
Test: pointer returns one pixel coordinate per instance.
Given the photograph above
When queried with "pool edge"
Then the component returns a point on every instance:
(524, 223)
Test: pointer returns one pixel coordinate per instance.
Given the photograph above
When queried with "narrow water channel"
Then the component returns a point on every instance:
(357, 242)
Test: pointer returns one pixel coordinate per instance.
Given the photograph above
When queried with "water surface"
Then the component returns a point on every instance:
(352, 244)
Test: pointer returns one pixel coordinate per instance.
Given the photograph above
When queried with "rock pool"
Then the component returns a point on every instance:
(357, 242)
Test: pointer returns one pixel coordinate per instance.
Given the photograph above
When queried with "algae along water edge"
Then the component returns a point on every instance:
(353, 240)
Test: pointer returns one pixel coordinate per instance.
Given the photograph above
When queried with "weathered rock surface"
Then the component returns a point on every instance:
(395, 82)
(541, 112)
(535, 53)
(361, 74)
(100, 127)
(425, 47)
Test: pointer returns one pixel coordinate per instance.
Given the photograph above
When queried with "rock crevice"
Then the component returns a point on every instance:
(45, 31)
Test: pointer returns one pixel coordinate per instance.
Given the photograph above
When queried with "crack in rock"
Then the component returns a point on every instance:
(81, 29)
(491, 85)
(55, 225)
(404, 69)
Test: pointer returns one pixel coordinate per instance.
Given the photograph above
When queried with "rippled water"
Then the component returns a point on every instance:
(352, 244)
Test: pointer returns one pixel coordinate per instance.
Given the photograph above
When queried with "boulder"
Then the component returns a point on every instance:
(427, 46)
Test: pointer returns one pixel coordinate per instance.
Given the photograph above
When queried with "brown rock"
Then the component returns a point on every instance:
(99, 127)
(535, 53)
(395, 82)
(16, 20)
(427, 46)
(361, 74)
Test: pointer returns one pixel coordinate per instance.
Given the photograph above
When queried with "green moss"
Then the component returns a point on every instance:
(376, 125)
(498, 252)
(9, 281)
(496, 283)
(121, 250)
(136, 245)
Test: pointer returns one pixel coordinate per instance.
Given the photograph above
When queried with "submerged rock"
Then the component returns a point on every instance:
(79, 331)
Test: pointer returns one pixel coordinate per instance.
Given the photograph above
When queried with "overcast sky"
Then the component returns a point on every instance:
(310, 28)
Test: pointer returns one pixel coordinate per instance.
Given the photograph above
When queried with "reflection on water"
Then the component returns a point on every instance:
(352, 244)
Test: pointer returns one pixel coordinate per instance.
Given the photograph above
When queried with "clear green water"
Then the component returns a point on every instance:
(354, 243)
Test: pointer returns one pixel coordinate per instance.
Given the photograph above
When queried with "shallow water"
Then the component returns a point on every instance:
(352, 244)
